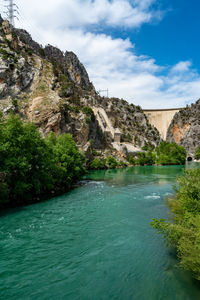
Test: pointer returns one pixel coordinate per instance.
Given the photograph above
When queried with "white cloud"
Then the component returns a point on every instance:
(111, 62)
(182, 66)
(81, 13)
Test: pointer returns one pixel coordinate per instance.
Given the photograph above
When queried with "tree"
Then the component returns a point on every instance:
(30, 167)
(69, 162)
(170, 154)
(184, 232)
(25, 159)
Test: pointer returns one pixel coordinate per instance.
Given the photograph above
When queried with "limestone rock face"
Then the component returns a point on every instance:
(77, 71)
(185, 128)
(71, 65)
(52, 89)
(26, 38)
(16, 69)
(131, 121)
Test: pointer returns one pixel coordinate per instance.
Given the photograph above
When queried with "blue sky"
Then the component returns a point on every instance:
(145, 51)
(175, 37)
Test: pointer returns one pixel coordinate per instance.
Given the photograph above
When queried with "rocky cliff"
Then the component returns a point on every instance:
(185, 128)
(52, 89)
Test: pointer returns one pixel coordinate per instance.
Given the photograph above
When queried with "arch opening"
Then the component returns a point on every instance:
(189, 158)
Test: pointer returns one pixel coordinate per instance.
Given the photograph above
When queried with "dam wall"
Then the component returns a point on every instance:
(161, 119)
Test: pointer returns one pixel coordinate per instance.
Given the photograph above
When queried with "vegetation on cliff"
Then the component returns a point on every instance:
(32, 167)
(197, 153)
(165, 154)
(183, 232)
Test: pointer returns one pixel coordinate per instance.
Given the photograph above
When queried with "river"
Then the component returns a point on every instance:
(95, 242)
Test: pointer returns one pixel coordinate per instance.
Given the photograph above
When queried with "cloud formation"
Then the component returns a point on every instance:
(82, 25)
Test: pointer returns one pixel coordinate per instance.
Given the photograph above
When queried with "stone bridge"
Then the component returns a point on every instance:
(161, 119)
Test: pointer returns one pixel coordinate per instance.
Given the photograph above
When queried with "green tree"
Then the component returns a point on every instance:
(69, 162)
(184, 232)
(25, 159)
(31, 167)
(170, 154)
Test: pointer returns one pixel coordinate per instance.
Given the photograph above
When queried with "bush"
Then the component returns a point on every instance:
(197, 153)
(87, 110)
(67, 160)
(33, 167)
(131, 159)
(146, 158)
(170, 154)
(184, 232)
(98, 164)
(112, 163)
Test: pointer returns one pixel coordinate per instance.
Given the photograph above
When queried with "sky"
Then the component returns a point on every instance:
(144, 51)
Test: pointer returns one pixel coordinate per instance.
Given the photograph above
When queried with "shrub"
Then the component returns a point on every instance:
(112, 163)
(184, 232)
(197, 153)
(170, 154)
(146, 158)
(131, 159)
(87, 110)
(98, 164)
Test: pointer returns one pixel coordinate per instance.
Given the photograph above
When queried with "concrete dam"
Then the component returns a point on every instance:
(161, 119)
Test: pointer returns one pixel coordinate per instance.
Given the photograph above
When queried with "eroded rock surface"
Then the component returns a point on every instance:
(185, 128)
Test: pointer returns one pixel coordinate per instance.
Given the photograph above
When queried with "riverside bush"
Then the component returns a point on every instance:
(197, 153)
(98, 164)
(170, 154)
(32, 167)
(112, 163)
(184, 232)
(102, 163)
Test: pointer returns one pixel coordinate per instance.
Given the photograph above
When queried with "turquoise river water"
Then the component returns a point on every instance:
(95, 242)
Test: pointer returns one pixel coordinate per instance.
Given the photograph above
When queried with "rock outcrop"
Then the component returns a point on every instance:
(52, 89)
(185, 128)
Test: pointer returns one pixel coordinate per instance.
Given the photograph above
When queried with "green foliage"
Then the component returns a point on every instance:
(87, 119)
(184, 232)
(122, 164)
(102, 163)
(32, 167)
(112, 163)
(170, 154)
(197, 153)
(146, 158)
(68, 161)
(131, 159)
(165, 154)
(29, 51)
(98, 164)
(75, 109)
(24, 157)
(87, 110)
(126, 137)
(6, 55)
